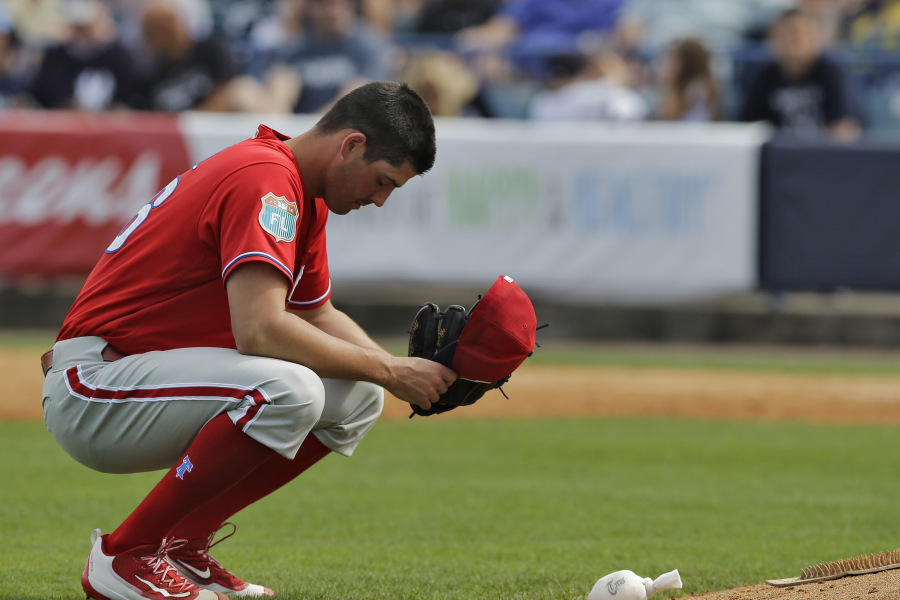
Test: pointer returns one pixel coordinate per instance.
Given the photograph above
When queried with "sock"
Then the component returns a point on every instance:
(219, 456)
(275, 472)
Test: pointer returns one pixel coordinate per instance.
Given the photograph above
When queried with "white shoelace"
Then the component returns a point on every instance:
(161, 566)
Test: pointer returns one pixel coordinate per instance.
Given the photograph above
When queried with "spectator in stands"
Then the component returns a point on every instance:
(197, 14)
(803, 91)
(91, 69)
(652, 25)
(431, 25)
(335, 52)
(452, 16)
(588, 87)
(283, 27)
(190, 68)
(688, 88)
(542, 22)
(234, 19)
(829, 13)
(536, 30)
(391, 17)
(16, 65)
(38, 22)
(446, 84)
(513, 51)
(274, 85)
(872, 25)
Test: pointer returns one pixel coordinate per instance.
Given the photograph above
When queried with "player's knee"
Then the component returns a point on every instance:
(296, 399)
(367, 408)
(304, 391)
(352, 402)
(374, 404)
(351, 409)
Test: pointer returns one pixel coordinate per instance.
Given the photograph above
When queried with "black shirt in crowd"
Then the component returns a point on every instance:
(95, 78)
(802, 107)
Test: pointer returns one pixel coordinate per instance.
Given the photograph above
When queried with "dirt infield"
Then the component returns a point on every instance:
(539, 390)
(569, 391)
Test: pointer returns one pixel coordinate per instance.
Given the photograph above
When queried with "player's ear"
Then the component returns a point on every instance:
(353, 143)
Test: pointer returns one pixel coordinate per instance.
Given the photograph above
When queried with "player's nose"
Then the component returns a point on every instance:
(380, 197)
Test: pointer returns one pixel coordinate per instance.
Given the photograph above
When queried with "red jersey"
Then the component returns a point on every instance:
(161, 283)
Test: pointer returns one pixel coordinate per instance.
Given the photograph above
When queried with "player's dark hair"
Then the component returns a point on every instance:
(395, 120)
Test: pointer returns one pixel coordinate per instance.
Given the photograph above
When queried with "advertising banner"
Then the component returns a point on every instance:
(69, 182)
(646, 214)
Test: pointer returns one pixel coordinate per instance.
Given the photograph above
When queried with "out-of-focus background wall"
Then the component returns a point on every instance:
(687, 170)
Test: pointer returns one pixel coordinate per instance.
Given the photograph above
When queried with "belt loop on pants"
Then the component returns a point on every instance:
(109, 354)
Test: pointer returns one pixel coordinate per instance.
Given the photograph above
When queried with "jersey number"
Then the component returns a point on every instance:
(141, 216)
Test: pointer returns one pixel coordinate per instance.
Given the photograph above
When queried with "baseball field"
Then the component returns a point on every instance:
(731, 464)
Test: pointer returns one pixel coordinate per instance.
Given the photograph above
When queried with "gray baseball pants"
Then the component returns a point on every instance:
(140, 413)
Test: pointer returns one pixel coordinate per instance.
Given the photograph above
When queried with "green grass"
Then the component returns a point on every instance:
(440, 509)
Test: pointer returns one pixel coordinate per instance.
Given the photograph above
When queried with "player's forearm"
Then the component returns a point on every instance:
(338, 324)
(290, 338)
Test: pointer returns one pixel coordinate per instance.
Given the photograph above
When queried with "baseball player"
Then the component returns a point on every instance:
(204, 342)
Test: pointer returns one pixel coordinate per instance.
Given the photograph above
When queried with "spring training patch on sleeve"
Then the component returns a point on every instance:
(278, 217)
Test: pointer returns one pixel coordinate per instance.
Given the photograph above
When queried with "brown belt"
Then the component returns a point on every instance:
(109, 354)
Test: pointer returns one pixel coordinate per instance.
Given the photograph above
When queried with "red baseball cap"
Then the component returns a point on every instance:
(499, 334)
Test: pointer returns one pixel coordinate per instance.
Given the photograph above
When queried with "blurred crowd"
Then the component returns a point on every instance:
(788, 62)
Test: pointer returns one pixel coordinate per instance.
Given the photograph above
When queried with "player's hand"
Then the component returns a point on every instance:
(419, 381)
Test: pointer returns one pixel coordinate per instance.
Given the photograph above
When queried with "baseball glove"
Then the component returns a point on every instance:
(483, 346)
(432, 331)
